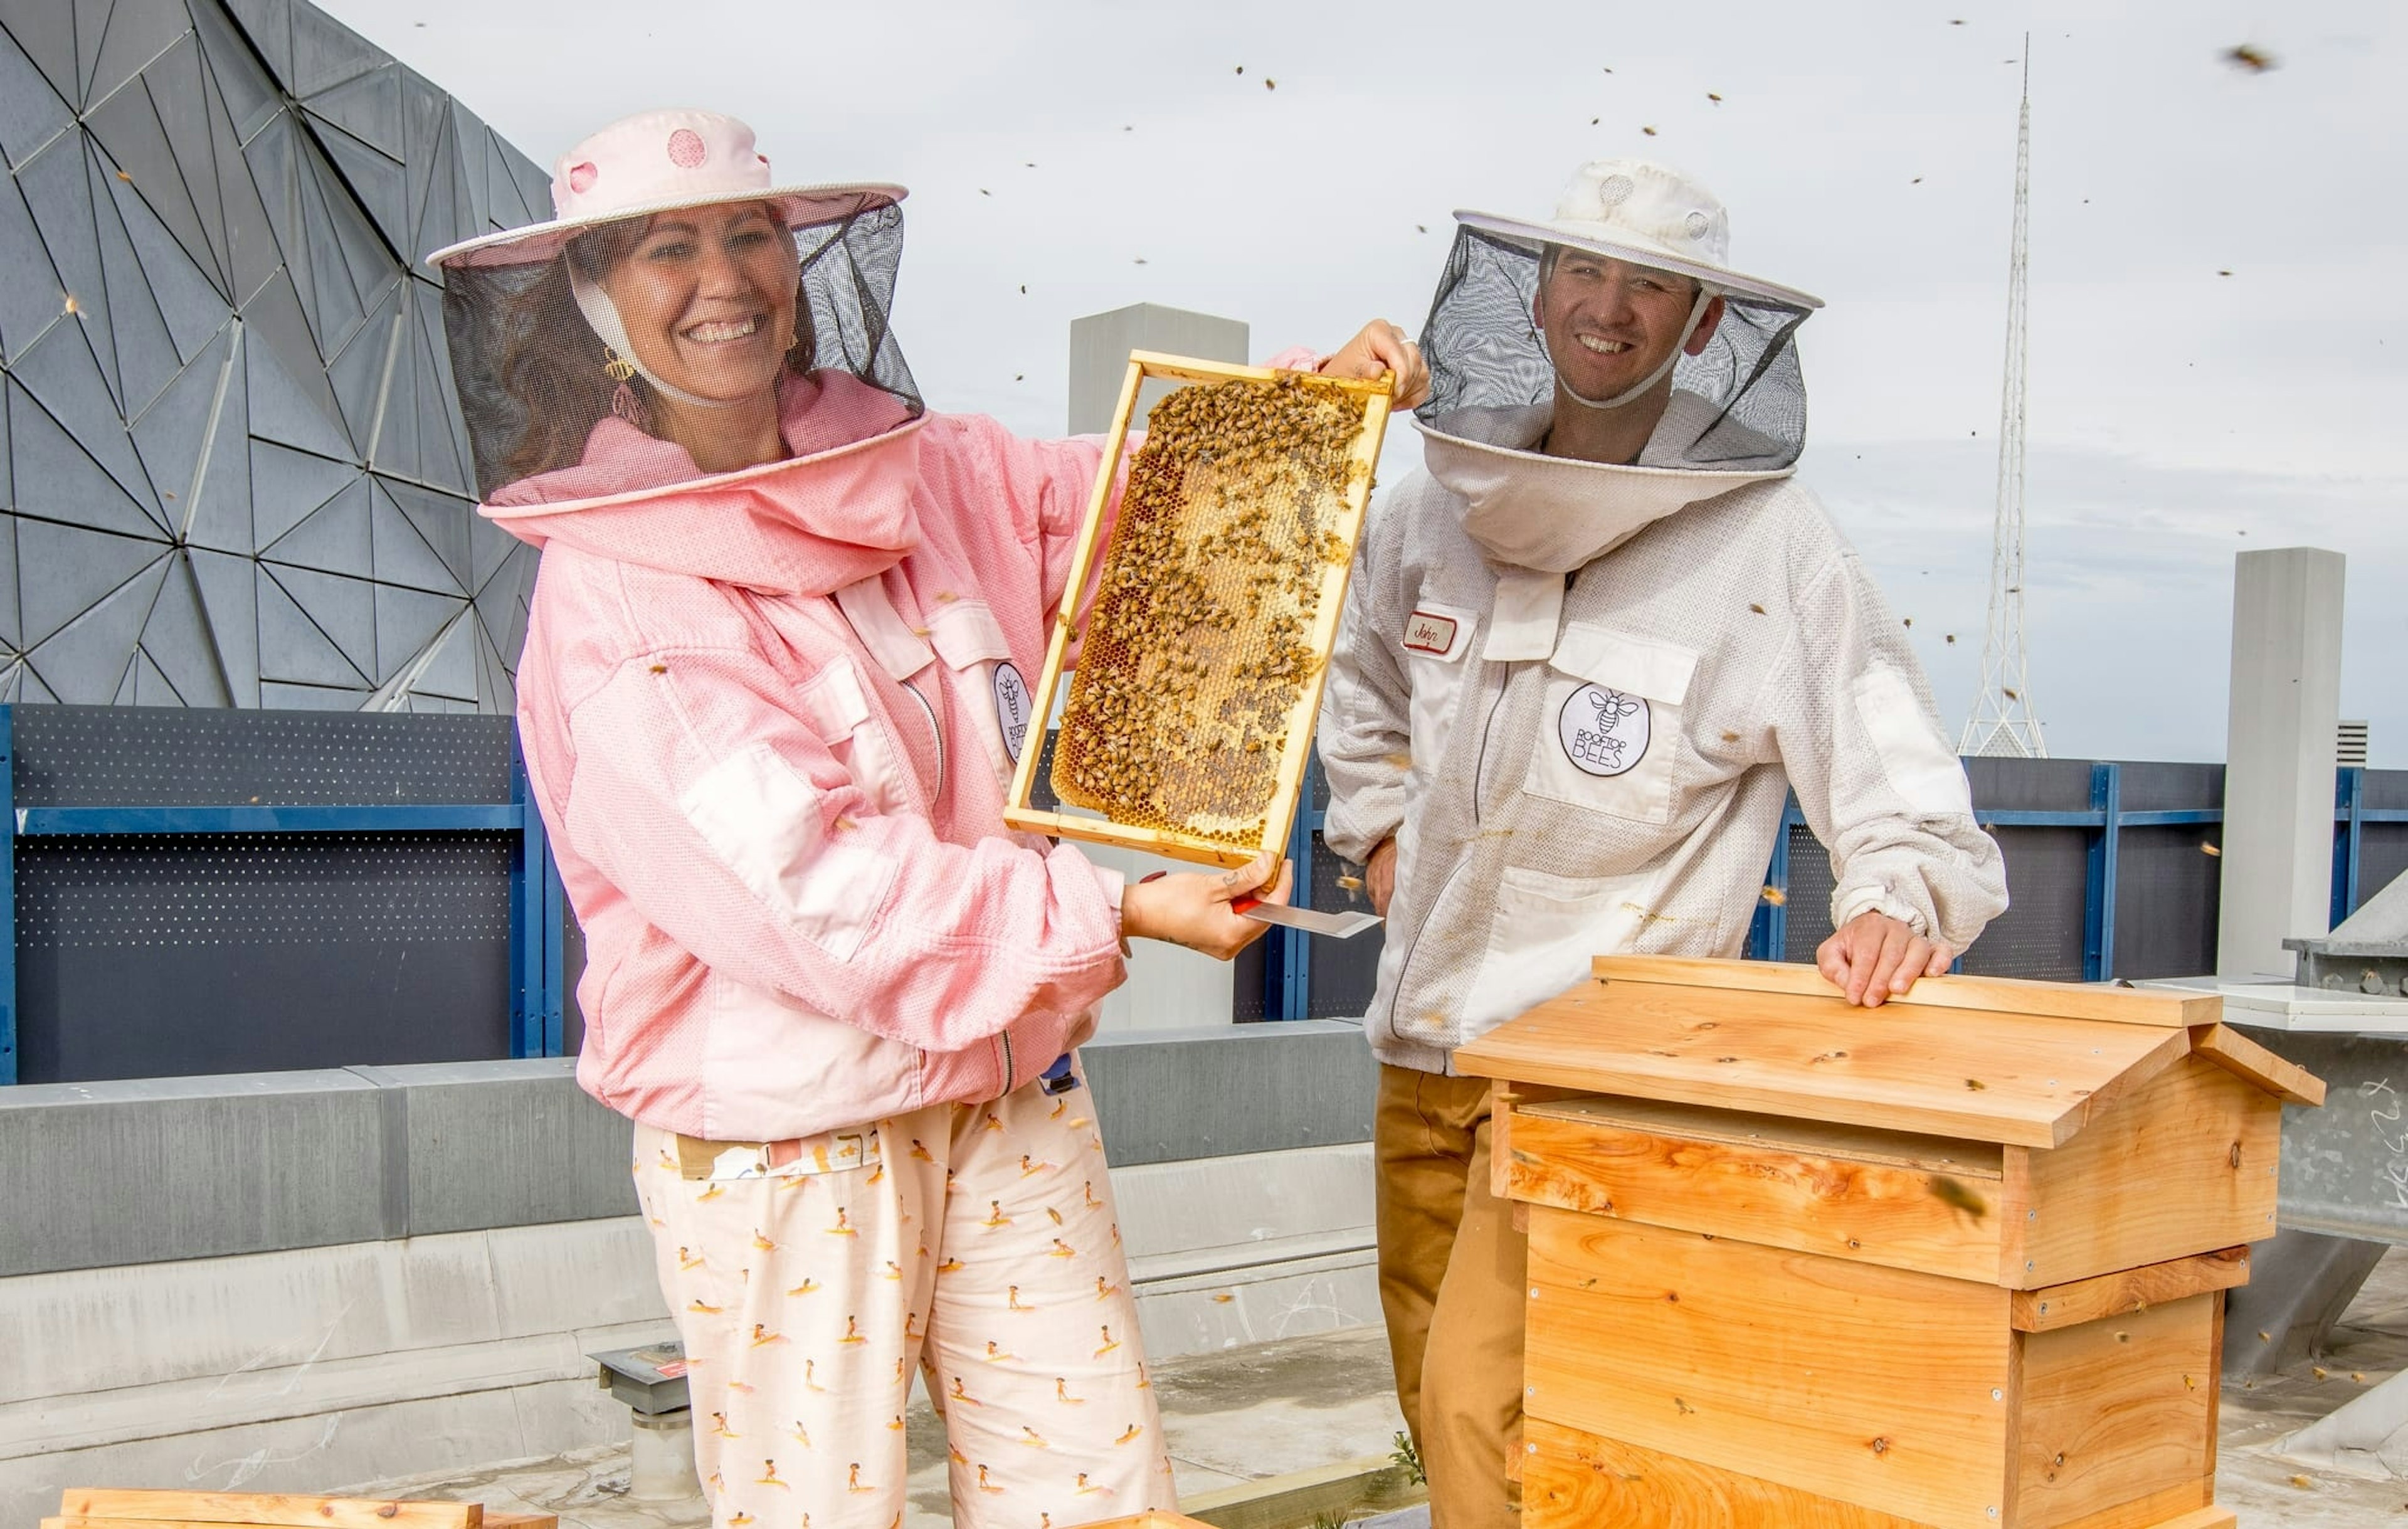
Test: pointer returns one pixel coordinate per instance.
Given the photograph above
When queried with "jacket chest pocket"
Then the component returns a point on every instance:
(832, 704)
(997, 695)
(1435, 640)
(1610, 728)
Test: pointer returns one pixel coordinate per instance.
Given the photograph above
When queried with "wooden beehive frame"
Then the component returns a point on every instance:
(1296, 747)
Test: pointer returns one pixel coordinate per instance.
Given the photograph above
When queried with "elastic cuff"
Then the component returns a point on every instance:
(1857, 902)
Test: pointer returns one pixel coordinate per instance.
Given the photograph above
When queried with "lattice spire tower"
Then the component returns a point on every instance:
(2004, 720)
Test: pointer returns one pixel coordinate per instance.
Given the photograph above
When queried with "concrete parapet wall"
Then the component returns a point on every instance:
(299, 1281)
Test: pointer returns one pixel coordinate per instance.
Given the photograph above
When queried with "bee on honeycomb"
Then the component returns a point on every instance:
(1197, 651)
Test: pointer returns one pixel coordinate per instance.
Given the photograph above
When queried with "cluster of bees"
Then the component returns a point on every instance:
(1197, 652)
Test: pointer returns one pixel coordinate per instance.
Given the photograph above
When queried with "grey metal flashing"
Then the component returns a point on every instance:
(1168, 1096)
(146, 1171)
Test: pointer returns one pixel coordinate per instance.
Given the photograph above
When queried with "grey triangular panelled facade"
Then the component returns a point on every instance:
(231, 469)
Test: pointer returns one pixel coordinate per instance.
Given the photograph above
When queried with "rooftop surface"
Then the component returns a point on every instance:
(1263, 1412)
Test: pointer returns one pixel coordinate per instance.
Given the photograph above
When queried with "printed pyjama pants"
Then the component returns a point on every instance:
(977, 1243)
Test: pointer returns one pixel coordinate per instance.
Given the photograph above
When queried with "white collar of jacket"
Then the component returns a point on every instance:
(1543, 516)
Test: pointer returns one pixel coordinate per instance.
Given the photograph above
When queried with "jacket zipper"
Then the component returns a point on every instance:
(1005, 1035)
(1479, 769)
(935, 731)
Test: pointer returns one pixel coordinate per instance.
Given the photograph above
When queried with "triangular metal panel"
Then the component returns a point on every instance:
(534, 180)
(506, 203)
(311, 698)
(85, 661)
(230, 598)
(343, 609)
(45, 29)
(7, 471)
(287, 485)
(367, 107)
(56, 479)
(358, 374)
(403, 555)
(438, 217)
(444, 458)
(188, 298)
(489, 547)
(469, 153)
(173, 429)
(139, 31)
(251, 253)
(29, 689)
(290, 399)
(330, 297)
(32, 297)
(59, 193)
(501, 605)
(376, 181)
(74, 570)
(443, 523)
(325, 53)
(152, 687)
(91, 24)
(268, 26)
(61, 371)
(424, 154)
(450, 670)
(333, 539)
(406, 621)
(222, 518)
(146, 351)
(129, 128)
(251, 95)
(396, 450)
(11, 629)
(370, 261)
(31, 112)
(177, 639)
(293, 647)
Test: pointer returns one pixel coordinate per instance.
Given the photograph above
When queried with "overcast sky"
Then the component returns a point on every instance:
(1107, 154)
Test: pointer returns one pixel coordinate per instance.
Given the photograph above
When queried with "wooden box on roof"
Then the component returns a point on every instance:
(1957, 1262)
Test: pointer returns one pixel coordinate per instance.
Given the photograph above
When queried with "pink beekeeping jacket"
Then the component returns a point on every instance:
(769, 720)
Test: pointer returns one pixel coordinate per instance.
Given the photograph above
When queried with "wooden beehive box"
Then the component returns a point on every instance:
(1189, 720)
(1957, 1262)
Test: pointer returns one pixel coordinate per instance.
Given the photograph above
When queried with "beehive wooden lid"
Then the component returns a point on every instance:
(1975, 1058)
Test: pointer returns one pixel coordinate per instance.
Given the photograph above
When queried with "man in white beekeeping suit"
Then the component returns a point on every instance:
(1586, 653)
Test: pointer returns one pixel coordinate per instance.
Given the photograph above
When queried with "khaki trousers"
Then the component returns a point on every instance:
(1451, 1285)
(980, 1245)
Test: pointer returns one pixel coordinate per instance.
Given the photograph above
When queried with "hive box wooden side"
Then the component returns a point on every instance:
(1572, 1480)
(2184, 1164)
(2117, 1412)
(1880, 1387)
(1843, 1191)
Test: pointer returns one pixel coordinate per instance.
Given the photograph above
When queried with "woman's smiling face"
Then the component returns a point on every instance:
(707, 295)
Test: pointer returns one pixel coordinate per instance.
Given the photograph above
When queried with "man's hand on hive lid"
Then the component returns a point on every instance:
(1380, 346)
(1192, 908)
(1874, 958)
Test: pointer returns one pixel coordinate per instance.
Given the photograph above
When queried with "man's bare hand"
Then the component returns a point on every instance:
(1380, 346)
(1874, 958)
(1380, 876)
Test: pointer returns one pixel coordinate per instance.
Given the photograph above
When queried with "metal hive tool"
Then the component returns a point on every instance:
(1189, 718)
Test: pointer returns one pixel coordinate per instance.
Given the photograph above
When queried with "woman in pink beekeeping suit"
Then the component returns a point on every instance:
(773, 690)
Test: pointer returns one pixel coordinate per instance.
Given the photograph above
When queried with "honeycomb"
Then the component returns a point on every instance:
(1199, 644)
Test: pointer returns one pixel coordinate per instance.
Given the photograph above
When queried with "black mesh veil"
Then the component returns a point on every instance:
(1746, 389)
(550, 403)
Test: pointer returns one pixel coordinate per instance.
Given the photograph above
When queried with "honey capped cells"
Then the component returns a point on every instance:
(1199, 646)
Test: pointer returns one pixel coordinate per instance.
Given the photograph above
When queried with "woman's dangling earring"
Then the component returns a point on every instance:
(618, 367)
(624, 404)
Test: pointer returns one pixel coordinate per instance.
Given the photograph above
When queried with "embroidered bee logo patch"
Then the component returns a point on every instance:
(1604, 732)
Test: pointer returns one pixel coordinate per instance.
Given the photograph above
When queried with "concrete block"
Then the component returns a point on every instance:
(594, 1274)
(2280, 744)
(1208, 1313)
(1169, 1096)
(506, 1143)
(1181, 1213)
(1100, 344)
(104, 1174)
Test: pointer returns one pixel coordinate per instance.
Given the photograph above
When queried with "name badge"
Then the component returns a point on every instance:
(1432, 632)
